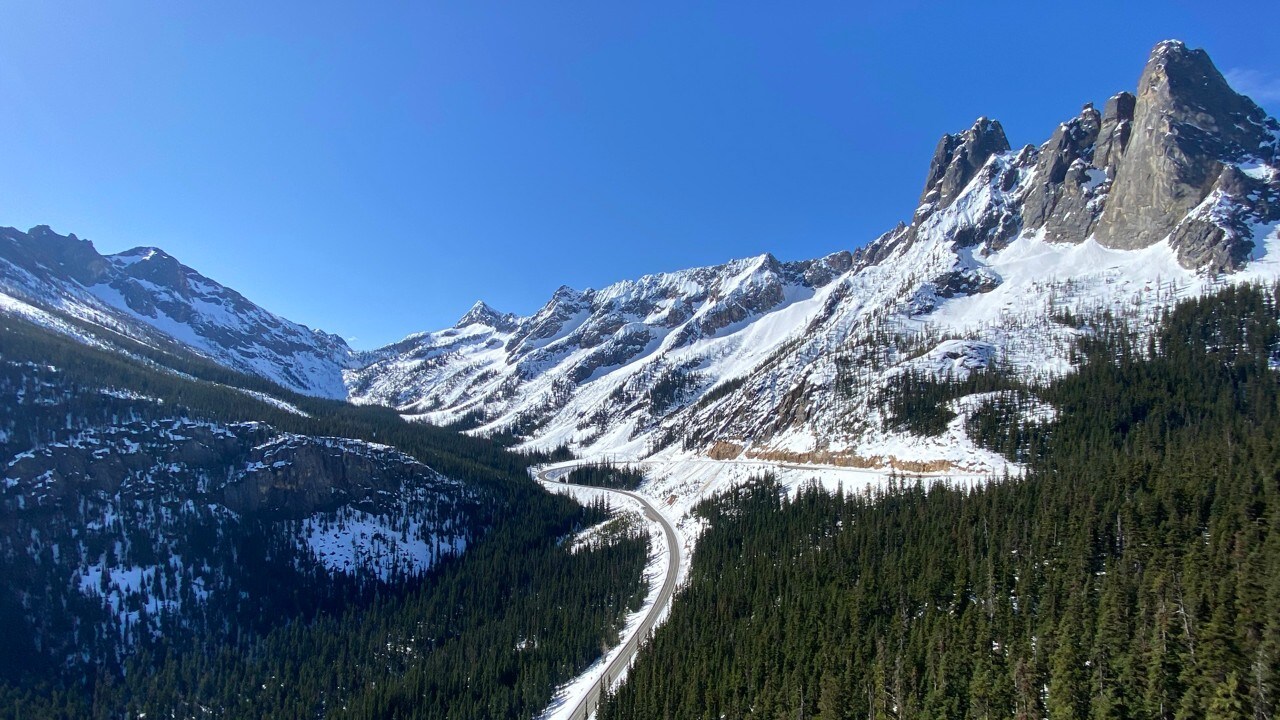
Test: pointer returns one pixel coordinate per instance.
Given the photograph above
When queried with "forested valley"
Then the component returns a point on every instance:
(237, 620)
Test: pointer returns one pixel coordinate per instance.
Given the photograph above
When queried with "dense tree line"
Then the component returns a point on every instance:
(607, 475)
(1134, 572)
(487, 634)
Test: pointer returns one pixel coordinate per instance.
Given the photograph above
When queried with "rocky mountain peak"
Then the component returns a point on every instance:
(155, 266)
(1187, 124)
(1113, 135)
(564, 293)
(1067, 179)
(40, 250)
(958, 157)
(482, 314)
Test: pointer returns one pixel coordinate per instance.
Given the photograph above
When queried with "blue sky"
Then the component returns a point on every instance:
(372, 169)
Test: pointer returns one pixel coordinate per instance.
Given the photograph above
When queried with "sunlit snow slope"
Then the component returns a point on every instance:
(1163, 194)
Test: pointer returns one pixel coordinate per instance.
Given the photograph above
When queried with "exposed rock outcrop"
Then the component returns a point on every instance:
(1068, 186)
(1188, 123)
(1113, 135)
(957, 159)
(295, 476)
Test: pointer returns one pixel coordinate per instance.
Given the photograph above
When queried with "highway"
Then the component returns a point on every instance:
(588, 703)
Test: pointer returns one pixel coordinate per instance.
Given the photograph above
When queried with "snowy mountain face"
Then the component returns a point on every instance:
(633, 349)
(1164, 193)
(149, 296)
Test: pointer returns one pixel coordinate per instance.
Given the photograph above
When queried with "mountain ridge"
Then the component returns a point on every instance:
(147, 294)
(1166, 191)
(984, 209)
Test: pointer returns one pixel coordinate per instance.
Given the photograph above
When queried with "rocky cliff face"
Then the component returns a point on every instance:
(296, 476)
(1190, 134)
(957, 159)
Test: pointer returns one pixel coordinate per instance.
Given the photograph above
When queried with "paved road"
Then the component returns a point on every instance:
(588, 703)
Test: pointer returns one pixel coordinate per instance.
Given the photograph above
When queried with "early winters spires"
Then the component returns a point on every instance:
(1187, 123)
(958, 157)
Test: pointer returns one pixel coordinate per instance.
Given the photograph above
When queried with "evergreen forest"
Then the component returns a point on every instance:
(1133, 572)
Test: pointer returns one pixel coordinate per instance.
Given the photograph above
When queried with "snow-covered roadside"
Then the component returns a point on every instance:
(677, 485)
(568, 696)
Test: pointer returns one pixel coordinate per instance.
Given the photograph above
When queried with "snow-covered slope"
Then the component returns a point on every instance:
(587, 360)
(788, 361)
(148, 295)
(1164, 193)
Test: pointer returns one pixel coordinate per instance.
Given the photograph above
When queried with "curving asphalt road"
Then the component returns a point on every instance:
(589, 702)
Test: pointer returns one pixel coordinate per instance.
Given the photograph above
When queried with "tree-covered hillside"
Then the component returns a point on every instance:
(171, 537)
(1133, 573)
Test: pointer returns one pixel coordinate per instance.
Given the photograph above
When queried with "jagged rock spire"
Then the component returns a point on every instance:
(482, 314)
(1187, 121)
(1113, 136)
(958, 157)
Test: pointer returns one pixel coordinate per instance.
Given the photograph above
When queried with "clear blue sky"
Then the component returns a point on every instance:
(373, 168)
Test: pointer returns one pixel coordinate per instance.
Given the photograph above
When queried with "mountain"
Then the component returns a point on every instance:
(634, 341)
(168, 535)
(1130, 572)
(1164, 193)
(149, 296)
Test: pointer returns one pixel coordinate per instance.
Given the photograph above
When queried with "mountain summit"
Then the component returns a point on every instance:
(1151, 197)
(482, 314)
(1194, 141)
(1169, 188)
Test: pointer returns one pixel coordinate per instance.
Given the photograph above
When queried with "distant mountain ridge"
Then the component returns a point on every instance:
(1165, 192)
(145, 293)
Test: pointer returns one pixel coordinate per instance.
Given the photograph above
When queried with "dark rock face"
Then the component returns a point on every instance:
(965, 282)
(1113, 135)
(295, 476)
(44, 253)
(178, 460)
(1187, 123)
(820, 272)
(882, 247)
(1065, 199)
(1217, 238)
(958, 158)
